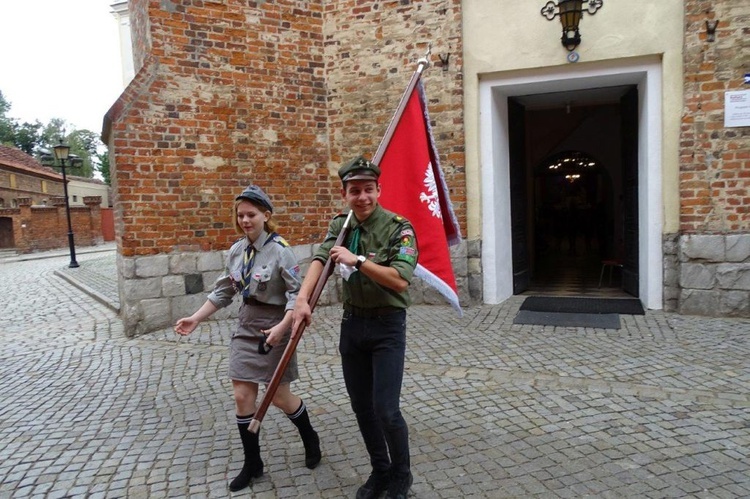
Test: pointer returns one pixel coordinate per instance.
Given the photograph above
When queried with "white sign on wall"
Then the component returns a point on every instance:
(737, 108)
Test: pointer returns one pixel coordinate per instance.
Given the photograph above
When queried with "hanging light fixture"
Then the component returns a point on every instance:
(570, 13)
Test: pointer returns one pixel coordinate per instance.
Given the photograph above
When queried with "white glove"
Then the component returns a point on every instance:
(346, 270)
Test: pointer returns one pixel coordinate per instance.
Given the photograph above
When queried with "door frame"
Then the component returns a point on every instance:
(494, 90)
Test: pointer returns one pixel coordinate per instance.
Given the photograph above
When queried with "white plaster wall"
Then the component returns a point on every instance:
(504, 39)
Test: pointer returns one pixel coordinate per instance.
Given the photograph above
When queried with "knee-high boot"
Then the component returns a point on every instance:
(310, 439)
(253, 467)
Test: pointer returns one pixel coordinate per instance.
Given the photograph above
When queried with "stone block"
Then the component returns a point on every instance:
(738, 247)
(697, 276)
(135, 290)
(154, 314)
(184, 306)
(183, 263)
(173, 285)
(193, 284)
(474, 248)
(734, 276)
(209, 280)
(709, 248)
(152, 266)
(210, 261)
(699, 302)
(734, 304)
(126, 267)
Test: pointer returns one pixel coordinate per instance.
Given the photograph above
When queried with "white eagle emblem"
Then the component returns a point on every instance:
(432, 200)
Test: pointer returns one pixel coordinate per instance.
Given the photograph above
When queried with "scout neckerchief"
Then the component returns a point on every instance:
(354, 242)
(248, 262)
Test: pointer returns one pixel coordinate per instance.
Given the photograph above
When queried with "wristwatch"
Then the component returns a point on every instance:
(360, 260)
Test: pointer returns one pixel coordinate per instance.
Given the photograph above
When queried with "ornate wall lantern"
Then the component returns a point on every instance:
(570, 13)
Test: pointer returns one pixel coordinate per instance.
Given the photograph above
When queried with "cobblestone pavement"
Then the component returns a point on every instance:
(659, 408)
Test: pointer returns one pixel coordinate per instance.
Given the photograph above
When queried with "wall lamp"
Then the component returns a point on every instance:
(570, 13)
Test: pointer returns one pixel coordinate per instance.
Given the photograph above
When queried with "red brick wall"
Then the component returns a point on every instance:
(714, 160)
(40, 228)
(276, 93)
(231, 93)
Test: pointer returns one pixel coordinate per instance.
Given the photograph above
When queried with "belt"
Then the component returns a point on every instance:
(252, 301)
(370, 312)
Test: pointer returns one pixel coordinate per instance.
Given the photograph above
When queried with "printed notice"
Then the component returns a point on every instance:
(737, 108)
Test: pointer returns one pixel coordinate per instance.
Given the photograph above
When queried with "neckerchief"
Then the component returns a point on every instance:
(247, 264)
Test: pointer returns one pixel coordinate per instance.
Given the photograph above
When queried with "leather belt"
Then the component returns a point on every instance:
(252, 301)
(370, 312)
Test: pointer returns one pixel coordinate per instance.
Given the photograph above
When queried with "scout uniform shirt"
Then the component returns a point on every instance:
(384, 238)
(273, 256)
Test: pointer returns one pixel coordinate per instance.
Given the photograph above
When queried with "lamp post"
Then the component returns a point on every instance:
(61, 153)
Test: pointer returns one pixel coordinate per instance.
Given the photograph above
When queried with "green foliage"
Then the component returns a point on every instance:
(39, 140)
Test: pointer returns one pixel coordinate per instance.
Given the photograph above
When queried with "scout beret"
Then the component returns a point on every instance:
(256, 195)
(359, 169)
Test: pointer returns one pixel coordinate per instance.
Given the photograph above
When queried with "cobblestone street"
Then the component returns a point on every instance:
(659, 408)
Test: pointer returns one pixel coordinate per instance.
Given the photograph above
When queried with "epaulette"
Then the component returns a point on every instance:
(341, 215)
(281, 241)
(400, 219)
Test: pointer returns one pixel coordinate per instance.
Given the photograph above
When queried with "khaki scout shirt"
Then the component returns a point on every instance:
(386, 239)
(274, 277)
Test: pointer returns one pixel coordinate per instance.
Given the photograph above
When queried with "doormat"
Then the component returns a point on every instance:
(602, 321)
(567, 304)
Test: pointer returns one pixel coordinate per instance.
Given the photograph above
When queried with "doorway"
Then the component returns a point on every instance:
(567, 193)
(507, 203)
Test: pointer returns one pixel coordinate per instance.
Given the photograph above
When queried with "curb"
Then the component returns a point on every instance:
(88, 290)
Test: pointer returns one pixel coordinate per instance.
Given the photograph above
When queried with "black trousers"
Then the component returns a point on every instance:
(372, 358)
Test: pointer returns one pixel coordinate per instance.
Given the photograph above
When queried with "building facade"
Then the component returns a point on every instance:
(227, 93)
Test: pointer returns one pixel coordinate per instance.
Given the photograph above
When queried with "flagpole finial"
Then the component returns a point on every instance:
(424, 61)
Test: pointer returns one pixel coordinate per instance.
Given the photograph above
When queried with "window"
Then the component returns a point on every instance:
(75, 199)
(44, 186)
(13, 181)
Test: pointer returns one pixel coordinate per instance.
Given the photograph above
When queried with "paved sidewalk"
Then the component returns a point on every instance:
(659, 408)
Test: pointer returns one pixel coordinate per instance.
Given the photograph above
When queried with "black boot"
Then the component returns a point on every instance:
(253, 467)
(310, 438)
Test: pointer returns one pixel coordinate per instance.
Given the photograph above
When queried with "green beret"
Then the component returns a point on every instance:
(359, 169)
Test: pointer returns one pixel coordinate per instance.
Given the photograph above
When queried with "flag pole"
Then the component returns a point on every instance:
(422, 64)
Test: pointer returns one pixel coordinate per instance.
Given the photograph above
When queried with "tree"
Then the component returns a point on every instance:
(39, 140)
(104, 167)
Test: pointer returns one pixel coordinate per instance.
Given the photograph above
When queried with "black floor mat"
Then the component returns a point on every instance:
(601, 321)
(571, 305)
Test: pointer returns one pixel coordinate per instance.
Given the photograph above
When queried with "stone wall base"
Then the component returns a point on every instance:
(707, 275)
(157, 290)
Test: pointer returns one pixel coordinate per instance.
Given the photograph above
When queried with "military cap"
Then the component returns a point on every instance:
(359, 169)
(256, 195)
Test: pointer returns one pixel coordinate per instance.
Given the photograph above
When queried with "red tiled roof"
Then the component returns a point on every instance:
(19, 160)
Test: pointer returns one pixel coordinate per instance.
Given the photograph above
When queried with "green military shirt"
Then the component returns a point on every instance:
(384, 238)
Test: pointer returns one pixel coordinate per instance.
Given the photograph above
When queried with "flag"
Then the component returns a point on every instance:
(414, 187)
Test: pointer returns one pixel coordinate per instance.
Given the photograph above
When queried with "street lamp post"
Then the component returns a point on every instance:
(61, 153)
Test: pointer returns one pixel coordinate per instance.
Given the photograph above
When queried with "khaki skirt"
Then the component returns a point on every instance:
(245, 363)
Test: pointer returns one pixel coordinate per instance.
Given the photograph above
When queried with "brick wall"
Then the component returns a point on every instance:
(27, 186)
(279, 93)
(230, 93)
(714, 160)
(371, 50)
(707, 265)
(39, 228)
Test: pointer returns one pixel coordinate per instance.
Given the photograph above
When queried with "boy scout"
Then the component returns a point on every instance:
(377, 263)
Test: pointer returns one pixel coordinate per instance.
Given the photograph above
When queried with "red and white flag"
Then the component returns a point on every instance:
(414, 186)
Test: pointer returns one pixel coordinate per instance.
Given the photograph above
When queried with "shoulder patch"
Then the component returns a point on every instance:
(280, 240)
